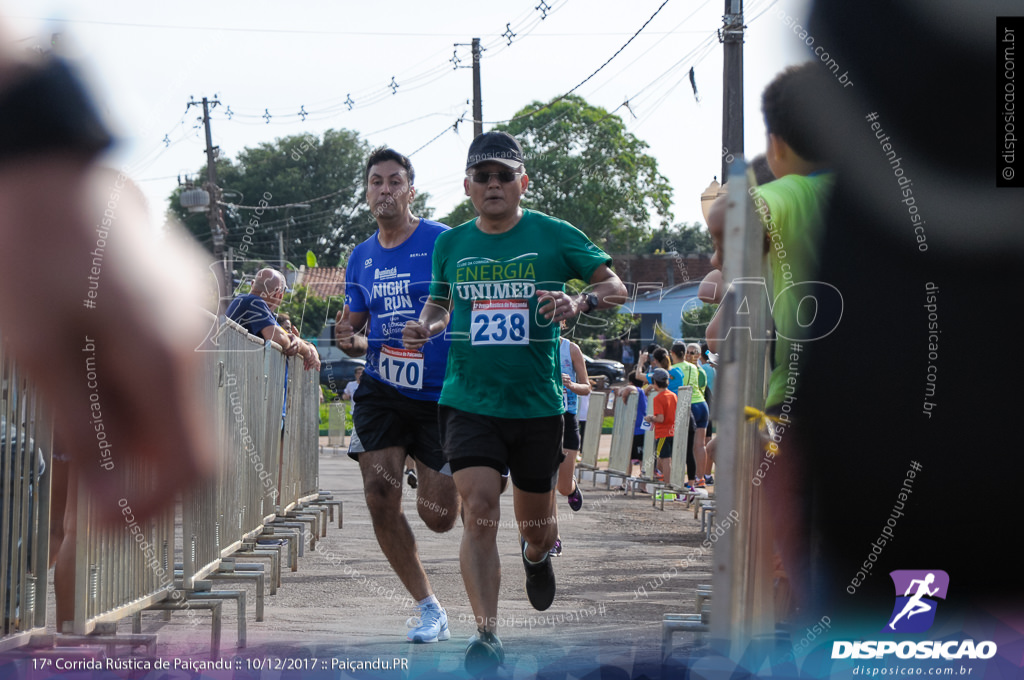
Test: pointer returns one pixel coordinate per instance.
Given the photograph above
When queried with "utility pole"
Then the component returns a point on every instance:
(731, 36)
(216, 217)
(478, 105)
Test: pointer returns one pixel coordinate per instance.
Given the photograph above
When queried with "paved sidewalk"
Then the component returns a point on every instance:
(618, 575)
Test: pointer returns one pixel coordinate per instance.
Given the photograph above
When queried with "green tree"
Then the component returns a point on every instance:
(695, 322)
(325, 174)
(683, 238)
(592, 330)
(585, 168)
(460, 214)
(308, 311)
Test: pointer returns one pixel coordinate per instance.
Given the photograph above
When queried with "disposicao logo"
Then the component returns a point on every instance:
(917, 595)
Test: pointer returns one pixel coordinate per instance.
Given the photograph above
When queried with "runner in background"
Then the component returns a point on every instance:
(386, 283)
(575, 383)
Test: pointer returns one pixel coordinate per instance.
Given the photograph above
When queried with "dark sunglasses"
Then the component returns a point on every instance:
(505, 176)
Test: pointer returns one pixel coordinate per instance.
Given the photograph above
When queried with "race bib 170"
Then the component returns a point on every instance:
(402, 367)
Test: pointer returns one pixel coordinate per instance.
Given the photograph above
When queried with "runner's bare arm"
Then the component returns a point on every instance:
(582, 384)
(604, 283)
(433, 320)
(348, 332)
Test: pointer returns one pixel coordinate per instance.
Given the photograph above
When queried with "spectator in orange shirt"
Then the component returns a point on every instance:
(664, 419)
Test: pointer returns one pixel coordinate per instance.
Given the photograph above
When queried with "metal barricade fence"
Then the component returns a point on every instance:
(244, 377)
(123, 569)
(300, 465)
(742, 606)
(273, 396)
(650, 457)
(201, 505)
(680, 442)
(250, 439)
(592, 435)
(120, 569)
(25, 464)
(622, 435)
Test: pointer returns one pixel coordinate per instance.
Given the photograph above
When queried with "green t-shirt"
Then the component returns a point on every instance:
(693, 377)
(793, 220)
(503, 359)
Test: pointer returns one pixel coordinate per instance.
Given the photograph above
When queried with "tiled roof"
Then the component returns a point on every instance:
(670, 269)
(323, 281)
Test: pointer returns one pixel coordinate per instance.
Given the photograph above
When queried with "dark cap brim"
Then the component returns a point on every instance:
(480, 159)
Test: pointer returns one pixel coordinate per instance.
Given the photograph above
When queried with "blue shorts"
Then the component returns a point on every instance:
(699, 412)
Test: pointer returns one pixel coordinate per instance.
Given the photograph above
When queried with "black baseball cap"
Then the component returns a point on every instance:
(496, 146)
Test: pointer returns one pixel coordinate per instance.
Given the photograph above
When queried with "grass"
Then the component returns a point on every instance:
(324, 409)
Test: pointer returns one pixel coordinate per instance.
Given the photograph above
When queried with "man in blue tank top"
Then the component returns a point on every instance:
(386, 284)
(575, 384)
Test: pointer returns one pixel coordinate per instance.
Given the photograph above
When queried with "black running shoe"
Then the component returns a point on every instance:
(576, 499)
(540, 580)
(410, 476)
(484, 653)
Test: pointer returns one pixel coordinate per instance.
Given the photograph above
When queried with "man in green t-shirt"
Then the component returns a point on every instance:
(500, 279)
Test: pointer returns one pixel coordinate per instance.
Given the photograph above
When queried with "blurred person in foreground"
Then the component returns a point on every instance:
(115, 287)
(927, 211)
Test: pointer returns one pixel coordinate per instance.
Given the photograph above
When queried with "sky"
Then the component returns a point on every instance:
(336, 62)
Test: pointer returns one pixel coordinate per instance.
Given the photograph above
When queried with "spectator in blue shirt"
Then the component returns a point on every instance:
(254, 311)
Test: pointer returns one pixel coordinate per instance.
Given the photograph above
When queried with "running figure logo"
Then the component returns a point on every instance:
(916, 594)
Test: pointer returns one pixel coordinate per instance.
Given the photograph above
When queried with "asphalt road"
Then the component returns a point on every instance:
(344, 607)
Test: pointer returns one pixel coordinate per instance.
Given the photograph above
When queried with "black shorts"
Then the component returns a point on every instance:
(638, 447)
(663, 447)
(570, 432)
(530, 448)
(387, 418)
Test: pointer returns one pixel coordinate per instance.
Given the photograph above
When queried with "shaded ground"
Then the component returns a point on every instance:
(615, 582)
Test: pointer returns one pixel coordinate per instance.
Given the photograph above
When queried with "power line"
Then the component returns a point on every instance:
(284, 205)
(375, 95)
(235, 29)
(770, 5)
(454, 127)
(675, 30)
(584, 81)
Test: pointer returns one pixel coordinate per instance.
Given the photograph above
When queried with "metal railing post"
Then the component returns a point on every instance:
(742, 608)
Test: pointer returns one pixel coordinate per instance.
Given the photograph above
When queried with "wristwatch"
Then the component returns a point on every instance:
(591, 301)
(48, 109)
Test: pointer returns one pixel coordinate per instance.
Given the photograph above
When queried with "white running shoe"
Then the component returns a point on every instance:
(430, 626)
